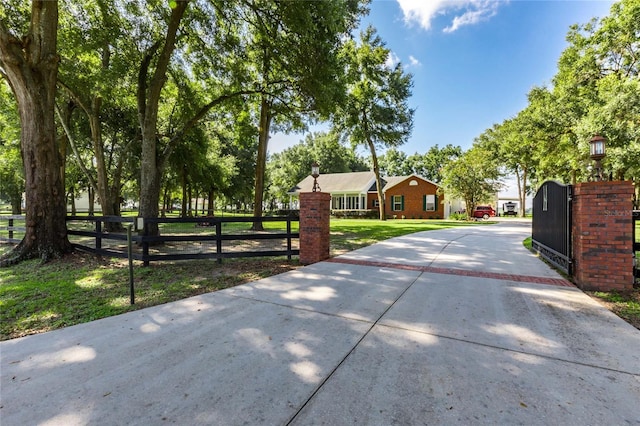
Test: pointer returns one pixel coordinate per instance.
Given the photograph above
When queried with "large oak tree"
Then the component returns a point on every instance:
(29, 62)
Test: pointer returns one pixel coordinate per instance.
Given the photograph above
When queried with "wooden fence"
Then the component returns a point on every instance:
(180, 238)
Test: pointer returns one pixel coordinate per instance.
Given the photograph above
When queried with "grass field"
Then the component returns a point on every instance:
(36, 298)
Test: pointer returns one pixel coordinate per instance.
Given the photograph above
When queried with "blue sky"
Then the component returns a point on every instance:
(473, 61)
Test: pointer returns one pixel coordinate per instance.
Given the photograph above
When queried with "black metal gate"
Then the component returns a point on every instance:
(551, 234)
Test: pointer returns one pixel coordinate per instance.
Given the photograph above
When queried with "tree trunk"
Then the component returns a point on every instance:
(166, 206)
(519, 183)
(376, 171)
(149, 177)
(16, 203)
(107, 197)
(470, 206)
(210, 205)
(523, 194)
(183, 181)
(263, 140)
(91, 195)
(31, 67)
(72, 201)
(149, 91)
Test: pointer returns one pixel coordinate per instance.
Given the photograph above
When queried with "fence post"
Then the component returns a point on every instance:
(602, 236)
(98, 235)
(315, 213)
(289, 237)
(132, 294)
(219, 240)
(145, 243)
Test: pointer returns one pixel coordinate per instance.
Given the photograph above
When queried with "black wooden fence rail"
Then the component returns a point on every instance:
(209, 238)
(11, 231)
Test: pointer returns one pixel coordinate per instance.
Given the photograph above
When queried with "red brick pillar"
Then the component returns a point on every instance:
(314, 226)
(602, 236)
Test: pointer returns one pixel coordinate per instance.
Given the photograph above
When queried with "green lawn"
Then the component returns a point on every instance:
(36, 298)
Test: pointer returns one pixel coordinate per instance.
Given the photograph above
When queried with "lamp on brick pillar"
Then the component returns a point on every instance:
(597, 151)
(315, 172)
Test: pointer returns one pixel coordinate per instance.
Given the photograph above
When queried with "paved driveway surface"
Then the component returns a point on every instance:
(459, 326)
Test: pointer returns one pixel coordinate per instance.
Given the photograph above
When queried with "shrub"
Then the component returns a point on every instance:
(458, 216)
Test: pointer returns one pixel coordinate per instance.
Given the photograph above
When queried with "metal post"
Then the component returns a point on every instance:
(130, 256)
(98, 235)
(145, 244)
(219, 240)
(289, 237)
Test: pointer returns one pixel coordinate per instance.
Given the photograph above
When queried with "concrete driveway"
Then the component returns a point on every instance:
(459, 326)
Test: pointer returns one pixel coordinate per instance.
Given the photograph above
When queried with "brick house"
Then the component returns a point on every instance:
(409, 197)
(413, 197)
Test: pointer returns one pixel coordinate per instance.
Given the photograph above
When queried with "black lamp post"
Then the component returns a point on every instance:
(597, 151)
(315, 172)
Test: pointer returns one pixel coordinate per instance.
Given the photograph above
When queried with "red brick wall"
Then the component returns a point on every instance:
(371, 196)
(315, 212)
(413, 208)
(602, 236)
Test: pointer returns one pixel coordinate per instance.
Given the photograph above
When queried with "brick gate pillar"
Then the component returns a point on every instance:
(602, 236)
(315, 210)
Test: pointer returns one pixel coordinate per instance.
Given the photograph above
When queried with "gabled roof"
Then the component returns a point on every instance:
(355, 182)
(395, 180)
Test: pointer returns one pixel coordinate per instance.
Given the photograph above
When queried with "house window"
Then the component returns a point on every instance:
(347, 202)
(353, 202)
(375, 203)
(397, 203)
(413, 183)
(429, 202)
(336, 203)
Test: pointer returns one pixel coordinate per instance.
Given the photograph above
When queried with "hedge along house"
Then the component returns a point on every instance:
(356, 194)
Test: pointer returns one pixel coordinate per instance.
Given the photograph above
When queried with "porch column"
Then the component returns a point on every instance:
(315, 211)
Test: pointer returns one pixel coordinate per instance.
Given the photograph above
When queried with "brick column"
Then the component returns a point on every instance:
(314, 226)
(602, 236)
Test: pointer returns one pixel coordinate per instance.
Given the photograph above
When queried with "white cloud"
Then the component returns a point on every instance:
(485, 11)
(421, 11)
(413, 61)
(466, 12)
(392, 60)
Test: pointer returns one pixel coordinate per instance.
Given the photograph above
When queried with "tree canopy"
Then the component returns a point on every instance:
(596, 90)
(375, 112)
(166, 100)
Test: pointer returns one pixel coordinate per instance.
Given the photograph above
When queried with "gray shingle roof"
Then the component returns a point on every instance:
(356, 182)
